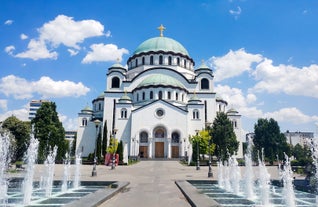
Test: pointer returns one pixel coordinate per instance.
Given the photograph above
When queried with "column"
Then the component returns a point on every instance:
(169, 147)
(150, 147)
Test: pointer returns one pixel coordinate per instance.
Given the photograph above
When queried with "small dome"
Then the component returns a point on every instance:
(161, 44)
(87, 109)
(232, 111)
(117, 65)
(194, 99)
(101, 95)
(160, 79)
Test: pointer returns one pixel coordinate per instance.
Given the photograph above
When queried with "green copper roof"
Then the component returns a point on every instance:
(161, 44)
(160, 79)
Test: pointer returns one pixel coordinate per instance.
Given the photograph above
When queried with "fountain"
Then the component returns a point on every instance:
(49, 173)
(78, 162)
(4, 160)
(264, 182)
(67, 164)
(249, 175)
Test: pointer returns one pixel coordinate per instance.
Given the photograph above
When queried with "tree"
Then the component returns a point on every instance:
(49, 131)
(21, 131)
(104, 143)
(224, 137)
(113, 144)
(268, 136)
(99, 144)
(120, 151)
(203, 138)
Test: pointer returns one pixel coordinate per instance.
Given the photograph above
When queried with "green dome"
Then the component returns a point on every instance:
(161, 44)
(160, 79)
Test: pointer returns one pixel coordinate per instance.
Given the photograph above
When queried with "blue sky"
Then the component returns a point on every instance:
(264, 54)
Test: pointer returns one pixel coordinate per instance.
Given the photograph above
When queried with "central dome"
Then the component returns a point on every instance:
(161, 44)
(160, 79)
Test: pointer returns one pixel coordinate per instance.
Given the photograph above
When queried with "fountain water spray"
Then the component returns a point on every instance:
(235, 174)
(249, 175)
(4, 160)
(264, 182)
(314, 155)
(288, 189)
(78, 162)
(66, 172)
(31, 158)
(49, 164)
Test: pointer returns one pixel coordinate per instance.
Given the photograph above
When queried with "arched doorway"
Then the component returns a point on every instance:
(159, 134)
(175, 139)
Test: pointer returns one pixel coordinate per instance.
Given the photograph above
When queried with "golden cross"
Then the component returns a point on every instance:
(161, 28)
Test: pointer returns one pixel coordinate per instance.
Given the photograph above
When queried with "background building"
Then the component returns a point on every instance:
(34, 105)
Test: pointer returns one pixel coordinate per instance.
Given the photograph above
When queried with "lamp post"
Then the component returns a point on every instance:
(210, 174)
(114, 155)
(94, 172)
(198, 151)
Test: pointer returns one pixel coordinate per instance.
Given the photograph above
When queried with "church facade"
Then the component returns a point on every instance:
(155, 103)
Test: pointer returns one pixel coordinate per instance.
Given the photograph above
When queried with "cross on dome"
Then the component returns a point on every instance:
(161, 28)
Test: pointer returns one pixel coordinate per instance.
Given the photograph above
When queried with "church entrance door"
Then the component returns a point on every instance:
(175, 152)
(159, 149)
(143, 151)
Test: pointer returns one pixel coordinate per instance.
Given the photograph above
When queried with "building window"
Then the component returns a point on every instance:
(177, 96)
(143, 96)
(136, 62)
(151, 60)
(182, 97)
(115, 82)
(137, 96)
(169, 60)
(204, 83)
(195, 114)
(151, 95)
(84, 122)
(143, 137)
(159, 133)
(178, 61)
(160, 94)
(185, 63)
(99, 106)
(123, 113)
(169, 95)
(175, 137)
(160, 113)
(143, 60)
(160, 60)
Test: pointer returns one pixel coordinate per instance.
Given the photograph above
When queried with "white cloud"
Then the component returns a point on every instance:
(37, 50)
(234, 63)
(8, 22)
(20, 88)
(236, 13)
(102, 53)
(3, 104)
(9, 49)
(63, 30)
(68, 123)
(292, 115)
(286, 78)
(108, 34)
(23, 37)
(72, 52)
(22, 114)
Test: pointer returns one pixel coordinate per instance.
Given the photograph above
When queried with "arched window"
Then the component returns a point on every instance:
(175, 137)
(151, 95)
(182, 97)
(151, 60)
(178, 61)
(169, 95)
(185, 63)
(143, 60)
(160, 60)
(143, 96)
(84, 122)
(195, 114)
(159, 133)
(115, 82)
(177, 96)
(136, 62)
(160, 94)
(169, 60)
(123, 113)
(204, 83)
(143, 136)
(99, 106)
(137, 96)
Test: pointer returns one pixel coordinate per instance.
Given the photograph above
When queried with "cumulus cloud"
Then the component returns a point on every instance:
(8, 22)
(234, 63)
(72, 52)
(292, 115)
(22, 114)
(23, 37)
(102, 53)
(9, 49)
(3, 104)
(63, 30)
(68, 123)
(20, 88)
(286, 78)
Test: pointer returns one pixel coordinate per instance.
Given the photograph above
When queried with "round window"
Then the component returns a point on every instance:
(159, 112)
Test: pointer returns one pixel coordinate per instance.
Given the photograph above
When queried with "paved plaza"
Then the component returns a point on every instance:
(152, 183)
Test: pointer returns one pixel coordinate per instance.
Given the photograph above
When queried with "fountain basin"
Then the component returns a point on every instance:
(208, 192)
(89, 193)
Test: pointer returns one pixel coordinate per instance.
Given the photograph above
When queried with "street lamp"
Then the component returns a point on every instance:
(198, 151)
(114, 155)
(210, 174)
(94, 172)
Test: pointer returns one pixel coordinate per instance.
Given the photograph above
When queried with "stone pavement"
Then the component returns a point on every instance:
(152, 183)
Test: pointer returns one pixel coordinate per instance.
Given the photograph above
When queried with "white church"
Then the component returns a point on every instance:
(155, 103)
